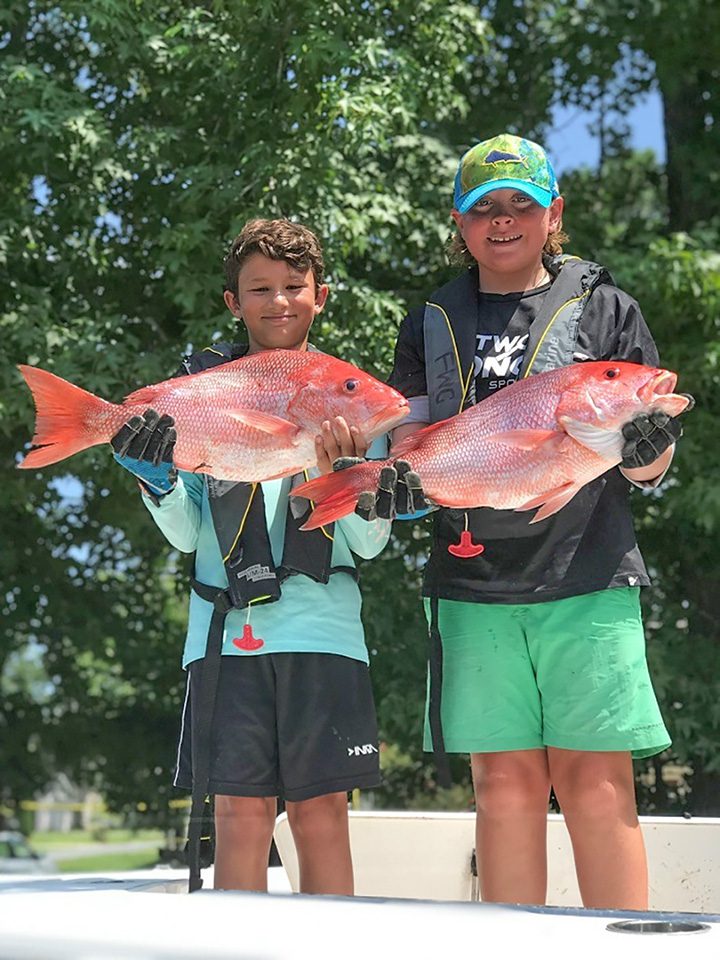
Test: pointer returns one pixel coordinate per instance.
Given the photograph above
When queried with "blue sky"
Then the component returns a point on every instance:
(570, 144)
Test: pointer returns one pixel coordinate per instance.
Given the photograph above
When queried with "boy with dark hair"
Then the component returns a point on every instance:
(538, 667)
(278, 701)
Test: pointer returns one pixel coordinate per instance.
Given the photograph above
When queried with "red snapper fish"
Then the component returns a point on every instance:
(532, 444)
(251, 419)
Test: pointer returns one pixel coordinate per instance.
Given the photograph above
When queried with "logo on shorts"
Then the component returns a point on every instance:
(362, 751)
(632, 581)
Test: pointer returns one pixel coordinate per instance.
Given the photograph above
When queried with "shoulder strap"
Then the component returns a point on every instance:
(238, 515)
(212, 356)
(449, 332)
(554, 332)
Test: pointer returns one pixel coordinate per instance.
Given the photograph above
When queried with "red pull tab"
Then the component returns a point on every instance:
(466, 547)
(248, 641)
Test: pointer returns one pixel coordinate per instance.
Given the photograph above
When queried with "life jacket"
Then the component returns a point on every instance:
(238, 514)
(450, 327)
(449, 330)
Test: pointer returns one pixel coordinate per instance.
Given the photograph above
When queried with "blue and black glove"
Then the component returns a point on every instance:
(145, 446)
(399, 492)
(649, 435)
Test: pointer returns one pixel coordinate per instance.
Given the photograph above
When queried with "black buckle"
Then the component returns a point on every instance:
(223, 602)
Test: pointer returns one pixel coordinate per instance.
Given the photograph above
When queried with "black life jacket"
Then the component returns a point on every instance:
(238, 514)
(450, 327)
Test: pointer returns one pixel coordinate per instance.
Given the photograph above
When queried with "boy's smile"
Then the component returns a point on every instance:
(276, 302)
(505, 231)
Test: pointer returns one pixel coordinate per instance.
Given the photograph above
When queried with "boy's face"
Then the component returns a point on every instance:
(276, 303)
(505, 232)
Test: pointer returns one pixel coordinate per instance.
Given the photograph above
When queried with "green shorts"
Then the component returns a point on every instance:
(565, 673)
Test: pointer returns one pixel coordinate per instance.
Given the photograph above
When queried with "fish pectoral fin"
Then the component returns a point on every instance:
(265, 422)
(606, 443)
(529, 439)
(552, 501)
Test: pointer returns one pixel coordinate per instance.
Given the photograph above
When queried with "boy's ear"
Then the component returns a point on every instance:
(556, 212)
(232, 304)
(321, 297)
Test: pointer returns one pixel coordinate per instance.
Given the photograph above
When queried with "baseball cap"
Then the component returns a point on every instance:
(504, 161)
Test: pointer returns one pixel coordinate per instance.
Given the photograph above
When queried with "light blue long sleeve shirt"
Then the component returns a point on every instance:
(309, 617)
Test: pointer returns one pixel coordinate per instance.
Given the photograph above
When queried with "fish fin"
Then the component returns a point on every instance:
(553, 501)
(69, 419)
(606, 443)
(146, 396)
(528, 439)
(411, 441)
(335, 495)
(334, 509)
(265, 422)
(543, 498)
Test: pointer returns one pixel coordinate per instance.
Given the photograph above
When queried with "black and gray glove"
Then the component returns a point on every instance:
(399, 492)
(144, 446)
(648, 435)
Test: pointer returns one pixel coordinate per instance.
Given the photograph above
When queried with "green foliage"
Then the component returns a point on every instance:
(135, 140)
(136, 137)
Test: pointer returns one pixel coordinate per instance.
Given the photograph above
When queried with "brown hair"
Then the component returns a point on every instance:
(459, 255)
(279, 240)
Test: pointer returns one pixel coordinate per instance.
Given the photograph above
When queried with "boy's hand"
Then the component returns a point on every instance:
(338, 440)
(648, 436)
(144, 446)
(399, 493)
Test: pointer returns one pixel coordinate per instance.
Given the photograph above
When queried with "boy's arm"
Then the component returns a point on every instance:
(178, 514)
(366, 538)
(144, 446)
(644, 464)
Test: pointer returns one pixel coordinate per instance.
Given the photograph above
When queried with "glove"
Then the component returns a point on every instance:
(649, 435)
(399, 492)
(144, 446)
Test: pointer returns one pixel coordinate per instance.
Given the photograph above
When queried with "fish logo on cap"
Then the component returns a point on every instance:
(505, 161)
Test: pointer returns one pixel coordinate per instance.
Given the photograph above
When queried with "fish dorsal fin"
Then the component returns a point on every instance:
(146, 395)
(265, 422)
(606, 443)
(529, 439)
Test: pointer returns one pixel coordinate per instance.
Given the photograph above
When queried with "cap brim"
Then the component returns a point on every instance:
(538, 194)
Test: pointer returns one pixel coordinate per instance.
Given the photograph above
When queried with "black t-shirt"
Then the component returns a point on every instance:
(588, 545)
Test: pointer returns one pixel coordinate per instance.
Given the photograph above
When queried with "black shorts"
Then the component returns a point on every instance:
(293, 725)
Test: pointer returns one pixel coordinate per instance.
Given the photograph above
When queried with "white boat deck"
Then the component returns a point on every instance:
(120, 916)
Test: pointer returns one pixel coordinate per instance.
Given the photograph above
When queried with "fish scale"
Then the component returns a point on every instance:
(532, 444)
(251, 419)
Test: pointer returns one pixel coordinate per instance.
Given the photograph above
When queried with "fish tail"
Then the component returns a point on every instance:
(335, 495)
(68, 418)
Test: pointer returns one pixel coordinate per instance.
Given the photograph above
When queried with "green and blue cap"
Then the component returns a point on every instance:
(502, 162)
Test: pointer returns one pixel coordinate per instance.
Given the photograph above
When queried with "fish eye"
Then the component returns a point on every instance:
(611, 373)
(350, 385)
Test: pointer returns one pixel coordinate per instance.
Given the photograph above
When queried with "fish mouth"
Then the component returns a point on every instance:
(388, 418)
(660, 384)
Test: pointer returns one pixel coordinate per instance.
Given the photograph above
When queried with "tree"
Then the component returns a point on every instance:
(136, 138)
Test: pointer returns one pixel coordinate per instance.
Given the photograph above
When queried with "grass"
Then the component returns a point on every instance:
(88, 853)
(110, 862)
(53, 840)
